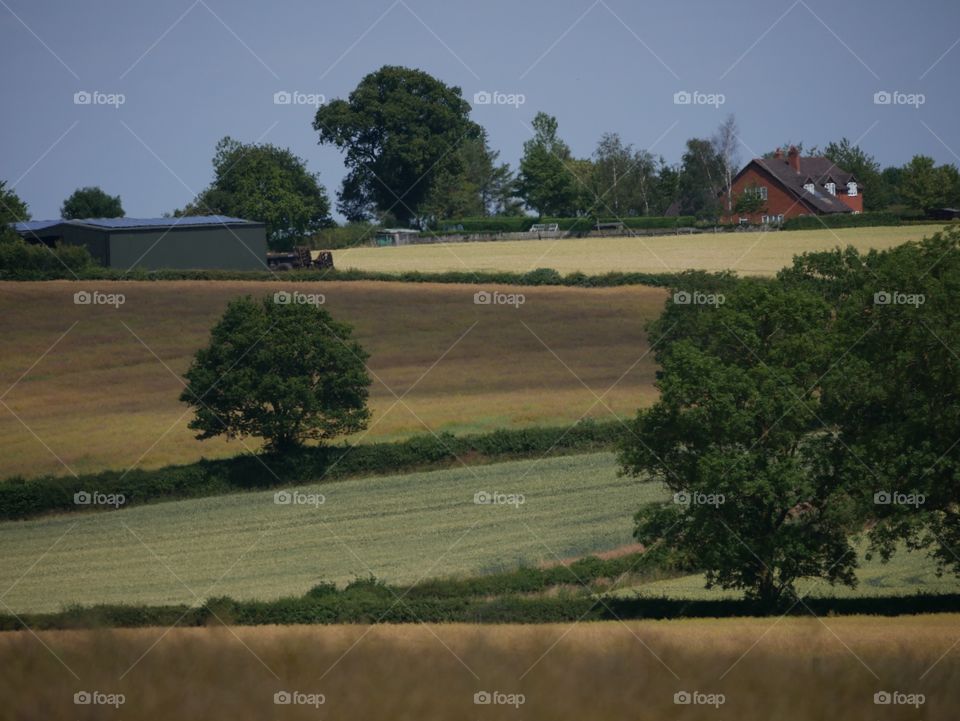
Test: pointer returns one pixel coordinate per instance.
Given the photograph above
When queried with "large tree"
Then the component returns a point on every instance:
(91, 202)
(701, 179)
(400, 129)
(726, 144)
(280, 369)
(265, 183)
(547, 182)
(736, 438)
(625, 178)
(924, 185)
(865, 169)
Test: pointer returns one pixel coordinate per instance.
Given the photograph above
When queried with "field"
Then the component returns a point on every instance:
(755, 670)
(105, 395)
(745, 253)
(399, 528)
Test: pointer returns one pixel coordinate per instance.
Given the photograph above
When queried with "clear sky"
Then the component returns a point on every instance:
(192, 71)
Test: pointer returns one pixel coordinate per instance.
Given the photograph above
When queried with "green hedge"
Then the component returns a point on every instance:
(841, 220)
(522, 224)
(22, 498)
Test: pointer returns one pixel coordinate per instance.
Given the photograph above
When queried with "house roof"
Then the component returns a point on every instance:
(33, 226)
(815, 170)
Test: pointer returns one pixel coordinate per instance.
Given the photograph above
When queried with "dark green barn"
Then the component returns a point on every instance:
(190, 242)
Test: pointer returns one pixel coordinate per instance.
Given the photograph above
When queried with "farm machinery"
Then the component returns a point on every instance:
(300, 258)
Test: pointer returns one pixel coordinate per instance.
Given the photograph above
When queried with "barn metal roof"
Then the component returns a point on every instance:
(32, 226)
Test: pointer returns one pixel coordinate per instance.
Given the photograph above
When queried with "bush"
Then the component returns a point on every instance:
(17, 257)
(841, 220)
(522, 224)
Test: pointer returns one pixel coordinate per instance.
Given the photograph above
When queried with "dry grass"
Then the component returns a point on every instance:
(797, 668)
(746, 253)
(101, 398)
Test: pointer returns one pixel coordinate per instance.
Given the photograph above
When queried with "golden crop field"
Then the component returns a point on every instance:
(746, 669)
(93, 387)
(745, 253)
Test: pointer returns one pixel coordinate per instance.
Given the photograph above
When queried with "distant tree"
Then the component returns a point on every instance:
(625, 178)
(726, 144)
(865, 169)
(701, 179)
(892, 178)
(91, 202)
(268, 184)
(479, 187)
(284, 371)
(925, 185)
(400, 129)
(666, 190)
(735, 437)
(546, 181)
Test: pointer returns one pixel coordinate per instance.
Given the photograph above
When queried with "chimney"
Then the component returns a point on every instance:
(793, 157)
(778, 154)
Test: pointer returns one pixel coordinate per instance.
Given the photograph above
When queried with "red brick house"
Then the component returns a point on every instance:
(776, 188)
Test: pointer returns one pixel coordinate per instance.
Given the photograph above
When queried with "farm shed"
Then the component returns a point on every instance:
(189, 242)
(395, 236)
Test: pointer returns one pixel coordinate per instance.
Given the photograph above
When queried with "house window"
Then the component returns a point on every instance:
(757, 191)
(772, 219)
(832, 188)
(851, 188)
(810, 187)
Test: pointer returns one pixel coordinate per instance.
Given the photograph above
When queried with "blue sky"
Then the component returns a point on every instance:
(191, 72)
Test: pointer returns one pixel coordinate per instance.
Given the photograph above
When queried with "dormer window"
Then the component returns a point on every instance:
(809, 187)
(852, 188)
(831, 188)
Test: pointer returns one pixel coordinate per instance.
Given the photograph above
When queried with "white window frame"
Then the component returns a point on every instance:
(852, 189)
(810, 187)
(831, 188)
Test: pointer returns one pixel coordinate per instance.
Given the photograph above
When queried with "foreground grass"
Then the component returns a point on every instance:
(745, 253)
(105, 394)
(796, 668)
(398, 528)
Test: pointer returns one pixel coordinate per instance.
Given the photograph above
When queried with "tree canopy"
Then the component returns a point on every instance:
(280, 368)
(91, 202)
(268, 184)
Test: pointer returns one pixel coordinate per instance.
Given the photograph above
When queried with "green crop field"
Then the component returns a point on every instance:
(399, 528)
(105, 395)
(745, 253)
